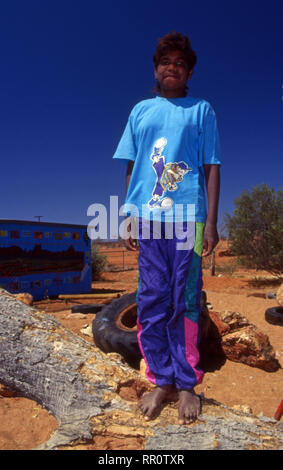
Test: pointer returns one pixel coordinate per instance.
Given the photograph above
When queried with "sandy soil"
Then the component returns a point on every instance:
(24, 424)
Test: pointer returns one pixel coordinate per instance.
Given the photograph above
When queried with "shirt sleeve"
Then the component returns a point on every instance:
(126, 149)
(210, 145)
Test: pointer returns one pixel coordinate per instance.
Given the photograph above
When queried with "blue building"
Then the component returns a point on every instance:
(44, 258)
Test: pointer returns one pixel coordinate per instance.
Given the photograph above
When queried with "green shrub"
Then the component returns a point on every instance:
(255, 229)
(98, 261)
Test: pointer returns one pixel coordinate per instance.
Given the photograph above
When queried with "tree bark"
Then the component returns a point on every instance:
(94, 396)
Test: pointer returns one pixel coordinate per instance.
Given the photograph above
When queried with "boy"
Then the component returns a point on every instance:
(171, 143)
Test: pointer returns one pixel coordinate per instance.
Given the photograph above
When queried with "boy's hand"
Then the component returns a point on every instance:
(210, 238)
(130, 243)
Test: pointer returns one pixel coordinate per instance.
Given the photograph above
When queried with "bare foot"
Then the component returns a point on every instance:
(150, 402)
(189, 406)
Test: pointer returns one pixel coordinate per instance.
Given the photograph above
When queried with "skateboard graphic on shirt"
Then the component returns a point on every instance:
(167, 176)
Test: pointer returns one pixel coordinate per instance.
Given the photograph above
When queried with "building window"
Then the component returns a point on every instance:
(15, 234)
(24, 285)
(58, 236)
(76, 236)
(38, 235)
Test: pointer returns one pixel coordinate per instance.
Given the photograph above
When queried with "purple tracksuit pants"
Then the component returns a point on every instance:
(168, 308)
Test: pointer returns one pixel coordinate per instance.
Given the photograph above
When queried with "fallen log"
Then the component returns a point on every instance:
(88, 296)
(93, 395)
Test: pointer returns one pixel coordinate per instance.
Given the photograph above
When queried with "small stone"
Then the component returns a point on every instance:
(244, 408)
(142, 368)
(81, 316)
(86, 330)
(25, 298)
(271, 295)
(247, 409)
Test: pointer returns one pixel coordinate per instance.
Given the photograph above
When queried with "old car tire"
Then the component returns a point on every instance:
(274, 315)
(114, 329)
(87, 308)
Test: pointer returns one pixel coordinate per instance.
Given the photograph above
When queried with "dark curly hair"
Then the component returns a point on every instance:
(170, 42)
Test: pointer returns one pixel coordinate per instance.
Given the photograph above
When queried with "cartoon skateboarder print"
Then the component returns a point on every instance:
(168, 175)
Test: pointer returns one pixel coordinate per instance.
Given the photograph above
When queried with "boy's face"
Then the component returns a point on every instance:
(172, 74)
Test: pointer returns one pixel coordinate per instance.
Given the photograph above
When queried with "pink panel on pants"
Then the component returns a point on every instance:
(149, 374)
(192, 353)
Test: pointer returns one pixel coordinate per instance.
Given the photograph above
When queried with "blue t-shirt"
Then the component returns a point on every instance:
(169, 140)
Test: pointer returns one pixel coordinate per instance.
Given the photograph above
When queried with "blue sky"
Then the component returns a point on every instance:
(71, 72)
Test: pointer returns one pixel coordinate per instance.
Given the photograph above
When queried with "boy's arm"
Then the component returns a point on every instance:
(130, 243)
(210, 238)
(129, 173)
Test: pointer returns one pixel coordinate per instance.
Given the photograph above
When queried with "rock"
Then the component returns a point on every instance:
(244, 408)
(234, 320)
(250, 346)
(221, 327)
(231, 334)
(279, 295)
(25, 298)
(271, 295)
(142, 368)
(86, 330)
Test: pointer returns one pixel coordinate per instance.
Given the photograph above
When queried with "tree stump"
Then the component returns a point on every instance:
(94, 396)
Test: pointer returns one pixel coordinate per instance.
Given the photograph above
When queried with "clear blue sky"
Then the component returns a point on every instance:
(71, 71)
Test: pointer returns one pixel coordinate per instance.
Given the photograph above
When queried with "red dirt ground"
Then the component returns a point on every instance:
(24, 424)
